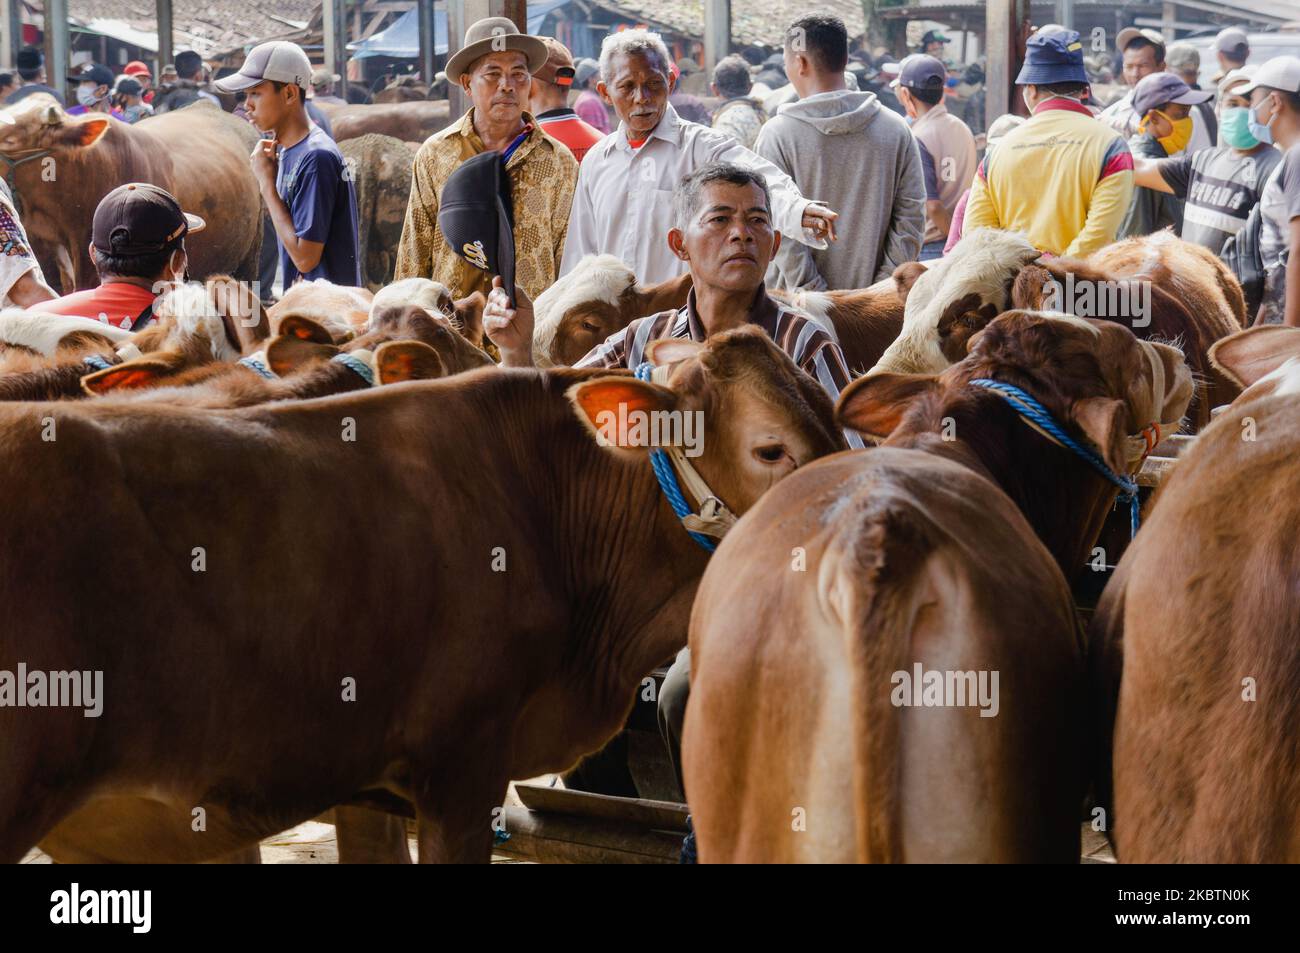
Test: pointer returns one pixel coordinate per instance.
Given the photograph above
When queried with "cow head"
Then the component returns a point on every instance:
(1263, 361)
(344, 311)
(37, 123)
(1094, 377)
(949, 301)
(393, 301)
(598, 298)
(757, 416)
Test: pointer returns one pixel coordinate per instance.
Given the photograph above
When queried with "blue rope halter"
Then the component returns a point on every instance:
(1030, 409)
(663, 468)
(257, 367)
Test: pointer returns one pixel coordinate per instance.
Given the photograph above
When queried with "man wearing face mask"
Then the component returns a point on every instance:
(1062, 177)
(1164, 103)
(1219, 186)
(1275, 118)
(138, 247)
(94, 86)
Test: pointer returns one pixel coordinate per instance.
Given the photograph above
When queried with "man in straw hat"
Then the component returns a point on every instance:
(495, 67)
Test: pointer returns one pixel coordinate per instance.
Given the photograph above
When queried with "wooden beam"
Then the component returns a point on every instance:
(166, 40)
(1001, 26)
(717, 32)
(58, 47)
(11, 24)
(427, 39)
(335, 35)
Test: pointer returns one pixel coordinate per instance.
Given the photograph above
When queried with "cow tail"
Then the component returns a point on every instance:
(892, 547)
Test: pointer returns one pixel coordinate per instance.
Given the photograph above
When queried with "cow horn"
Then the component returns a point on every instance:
(53, 116)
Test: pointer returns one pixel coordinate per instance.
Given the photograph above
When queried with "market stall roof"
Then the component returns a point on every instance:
(401, 39)
(753, 22)
(207, 26)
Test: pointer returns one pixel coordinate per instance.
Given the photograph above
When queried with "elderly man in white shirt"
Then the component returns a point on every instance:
(623, 202)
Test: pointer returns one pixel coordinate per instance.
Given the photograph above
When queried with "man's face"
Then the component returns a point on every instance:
(144, 79)
(1160, 125)
(729, 240)
(1139, 62)
(498, 85)
(1265, 103)
(266, 106)
(638, 90)
(934, 48)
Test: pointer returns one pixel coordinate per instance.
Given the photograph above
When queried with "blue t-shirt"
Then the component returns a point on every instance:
(317, 186)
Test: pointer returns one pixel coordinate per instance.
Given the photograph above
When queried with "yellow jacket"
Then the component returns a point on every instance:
(1063, 178)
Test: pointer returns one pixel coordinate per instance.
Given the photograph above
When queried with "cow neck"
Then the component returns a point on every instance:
(1063, 499)
(628, 569)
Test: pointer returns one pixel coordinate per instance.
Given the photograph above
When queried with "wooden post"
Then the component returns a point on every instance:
(427, 40)
(11, 25)
(460, 14)
(165, 38)
(1001, 25)
(1065, 13)
(334, 22)
(1168, 14)
(717, 33)
(57, 45)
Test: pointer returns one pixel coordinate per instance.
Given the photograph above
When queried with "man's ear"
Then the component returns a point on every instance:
(875, 405)
(1248, 355)
(603, 91)
(677, 243)
(604, 403)
(776, 243)
(1104, 421)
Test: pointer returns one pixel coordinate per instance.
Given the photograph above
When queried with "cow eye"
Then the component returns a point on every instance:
(770, 453)
(588, 326)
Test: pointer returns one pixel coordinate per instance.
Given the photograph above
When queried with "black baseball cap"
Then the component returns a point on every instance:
(921, 71)
(101, 75)
(477, 218)
(140, 219)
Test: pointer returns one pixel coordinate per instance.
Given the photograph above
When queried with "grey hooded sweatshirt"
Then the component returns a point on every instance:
(843, 148)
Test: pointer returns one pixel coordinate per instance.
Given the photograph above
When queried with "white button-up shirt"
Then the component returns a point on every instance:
(623, 204)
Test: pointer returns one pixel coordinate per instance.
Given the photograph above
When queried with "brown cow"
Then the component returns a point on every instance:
(1201, 613)
(381, 170)
(410, 122)
(601, 297)
(463, 650)
(65, 164)
(938, 553)
(1159, 286)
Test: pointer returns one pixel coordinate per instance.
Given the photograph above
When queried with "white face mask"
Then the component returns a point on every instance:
(86, 94)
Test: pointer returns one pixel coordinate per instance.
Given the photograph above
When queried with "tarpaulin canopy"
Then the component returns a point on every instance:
(402, 38)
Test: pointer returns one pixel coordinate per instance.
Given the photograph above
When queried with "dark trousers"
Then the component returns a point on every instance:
(672, 710)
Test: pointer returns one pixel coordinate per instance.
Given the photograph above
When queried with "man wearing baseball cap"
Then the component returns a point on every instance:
(933, 42)
(94, 87)
(947, 146)
(495, 67)
(548, 99)
(307, 187)
(1219, 186)
(140, 72)
(1062, 177)
(1274, 118)
(1232, 48)
(138, 246)
(1164, 103)
(1143, 52)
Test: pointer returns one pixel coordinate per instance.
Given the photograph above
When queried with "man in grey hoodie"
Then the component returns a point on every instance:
(845, 149)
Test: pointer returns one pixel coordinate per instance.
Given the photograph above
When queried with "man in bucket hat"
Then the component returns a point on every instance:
(495, 67)
(1063, 178)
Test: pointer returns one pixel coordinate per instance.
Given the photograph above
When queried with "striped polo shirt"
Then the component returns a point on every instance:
(805, 341)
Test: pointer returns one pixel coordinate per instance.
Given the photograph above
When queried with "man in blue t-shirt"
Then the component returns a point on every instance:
(305, 182)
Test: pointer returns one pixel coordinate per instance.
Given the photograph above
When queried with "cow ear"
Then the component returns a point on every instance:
(875, 405)
(606, 404)
(287, 353)
(1248, 355)
(905, 276)
(85, 133)
(671, 350)
(304, 329)
(666, 296)
(1104, 421)
(1030, 288)
(469, 314)
(133, 375)
(399, 361)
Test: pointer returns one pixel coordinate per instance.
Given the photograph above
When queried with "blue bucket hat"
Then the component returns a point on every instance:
(1052, 56)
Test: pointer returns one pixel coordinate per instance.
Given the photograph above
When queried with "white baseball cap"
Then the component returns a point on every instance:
(1281, 72)
(278, 61)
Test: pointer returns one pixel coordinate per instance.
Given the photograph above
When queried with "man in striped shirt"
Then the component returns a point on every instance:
(724, 233)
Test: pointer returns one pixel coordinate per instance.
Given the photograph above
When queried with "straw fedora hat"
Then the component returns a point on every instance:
(495, 35)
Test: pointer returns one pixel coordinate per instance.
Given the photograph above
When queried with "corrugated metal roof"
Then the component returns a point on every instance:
(208, 26)
(757, 22)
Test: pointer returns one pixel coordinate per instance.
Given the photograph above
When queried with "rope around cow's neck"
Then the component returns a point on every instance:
(1038, 416)
(717, 516)
(12, 164)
